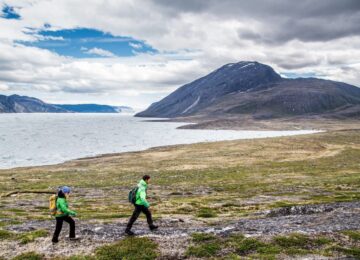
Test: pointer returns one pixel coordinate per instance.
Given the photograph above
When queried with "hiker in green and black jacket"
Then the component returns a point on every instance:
(141, 205)
(63, 214)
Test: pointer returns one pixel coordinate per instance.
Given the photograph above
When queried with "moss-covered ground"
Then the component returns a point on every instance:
(212, 182)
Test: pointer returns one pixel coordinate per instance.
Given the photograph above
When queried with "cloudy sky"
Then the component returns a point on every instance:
(134, 52)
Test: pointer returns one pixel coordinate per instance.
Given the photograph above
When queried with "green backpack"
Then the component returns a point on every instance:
(132, 195)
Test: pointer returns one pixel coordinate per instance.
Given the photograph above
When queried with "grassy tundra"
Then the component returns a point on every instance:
(209, 183)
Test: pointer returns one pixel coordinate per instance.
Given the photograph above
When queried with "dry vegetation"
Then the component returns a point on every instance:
(207, 182)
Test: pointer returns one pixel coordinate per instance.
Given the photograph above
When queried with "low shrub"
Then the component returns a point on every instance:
(351, 251)
(4, 234)
(249, 245)
(300, 241)
(79, 257)
(293, 240)
(31, 236)
(354, 235)
(131, 248)
(204, 250)
(206, 213)
(200, 237)
(29, 256)
(234, 239)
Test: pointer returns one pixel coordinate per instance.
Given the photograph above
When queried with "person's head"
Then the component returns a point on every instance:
(146, 178)
(65, 190)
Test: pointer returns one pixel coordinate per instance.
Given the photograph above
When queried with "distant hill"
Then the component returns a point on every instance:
(95, 108)
(24, 104)
(252, 88)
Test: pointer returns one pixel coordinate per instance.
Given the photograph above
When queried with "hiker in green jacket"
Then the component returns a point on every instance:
(141, 205)
(63, 214)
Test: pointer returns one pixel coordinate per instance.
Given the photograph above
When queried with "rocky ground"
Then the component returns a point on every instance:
(173, 234)
(299, 190)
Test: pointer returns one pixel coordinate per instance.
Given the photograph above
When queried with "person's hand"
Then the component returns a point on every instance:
(73, 214)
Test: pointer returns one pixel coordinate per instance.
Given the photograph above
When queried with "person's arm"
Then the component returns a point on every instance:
(143, 198)
(63, 208)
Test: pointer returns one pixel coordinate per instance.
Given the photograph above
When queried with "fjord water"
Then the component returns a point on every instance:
(41, 139)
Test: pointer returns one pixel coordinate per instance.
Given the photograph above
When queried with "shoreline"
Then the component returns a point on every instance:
(282, 124)
(104, 155)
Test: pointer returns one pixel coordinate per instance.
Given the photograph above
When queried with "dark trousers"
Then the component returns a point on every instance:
(138, 209)
(59, 224)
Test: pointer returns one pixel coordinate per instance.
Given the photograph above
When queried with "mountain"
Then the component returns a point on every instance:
(255, 89)
(95, 108)
(23, 104)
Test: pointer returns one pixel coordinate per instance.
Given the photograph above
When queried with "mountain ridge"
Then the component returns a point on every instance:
(25, 104)
(252, 88)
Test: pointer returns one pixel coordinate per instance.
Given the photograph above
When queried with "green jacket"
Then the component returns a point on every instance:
(63, 208)
(141, 194)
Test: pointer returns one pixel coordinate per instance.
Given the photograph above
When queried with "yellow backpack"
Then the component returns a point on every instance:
(52, 205)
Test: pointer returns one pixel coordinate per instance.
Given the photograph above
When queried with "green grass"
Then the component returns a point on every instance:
(249, 245)
(300, 241)
(132, 248)
(200, 237)
(23, 238)
(75, 257)
(4, 234)
(9, 222)
(29, 256)
(236, 246)
(348, 251)
(206, 213)
(204, 250)
(28, 237)
(282, 204)
(354, 235)
(204, 245)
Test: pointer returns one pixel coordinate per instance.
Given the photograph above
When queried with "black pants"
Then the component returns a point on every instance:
(59, 224)
(138, 209)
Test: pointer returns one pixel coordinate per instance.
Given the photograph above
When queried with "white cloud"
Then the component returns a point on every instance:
(135, 45)
(32, 71)
(193, 38)
(3, 87)
(100, 52)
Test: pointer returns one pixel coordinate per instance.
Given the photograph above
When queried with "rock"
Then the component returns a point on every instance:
(98, 229)
(300, 210)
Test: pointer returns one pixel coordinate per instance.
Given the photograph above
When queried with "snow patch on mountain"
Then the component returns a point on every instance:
(192, 105)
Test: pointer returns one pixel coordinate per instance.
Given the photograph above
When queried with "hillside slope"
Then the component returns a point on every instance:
(252, 88)
(23, 104)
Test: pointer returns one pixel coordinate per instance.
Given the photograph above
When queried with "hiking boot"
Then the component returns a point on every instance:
(153, 227)
(129, 232)
(54, 241)
(74, 238)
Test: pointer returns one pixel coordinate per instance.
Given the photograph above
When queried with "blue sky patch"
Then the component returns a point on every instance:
(88, 43)
(8, 12)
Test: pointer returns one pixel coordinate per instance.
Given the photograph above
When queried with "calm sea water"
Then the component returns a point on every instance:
(40, 139)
